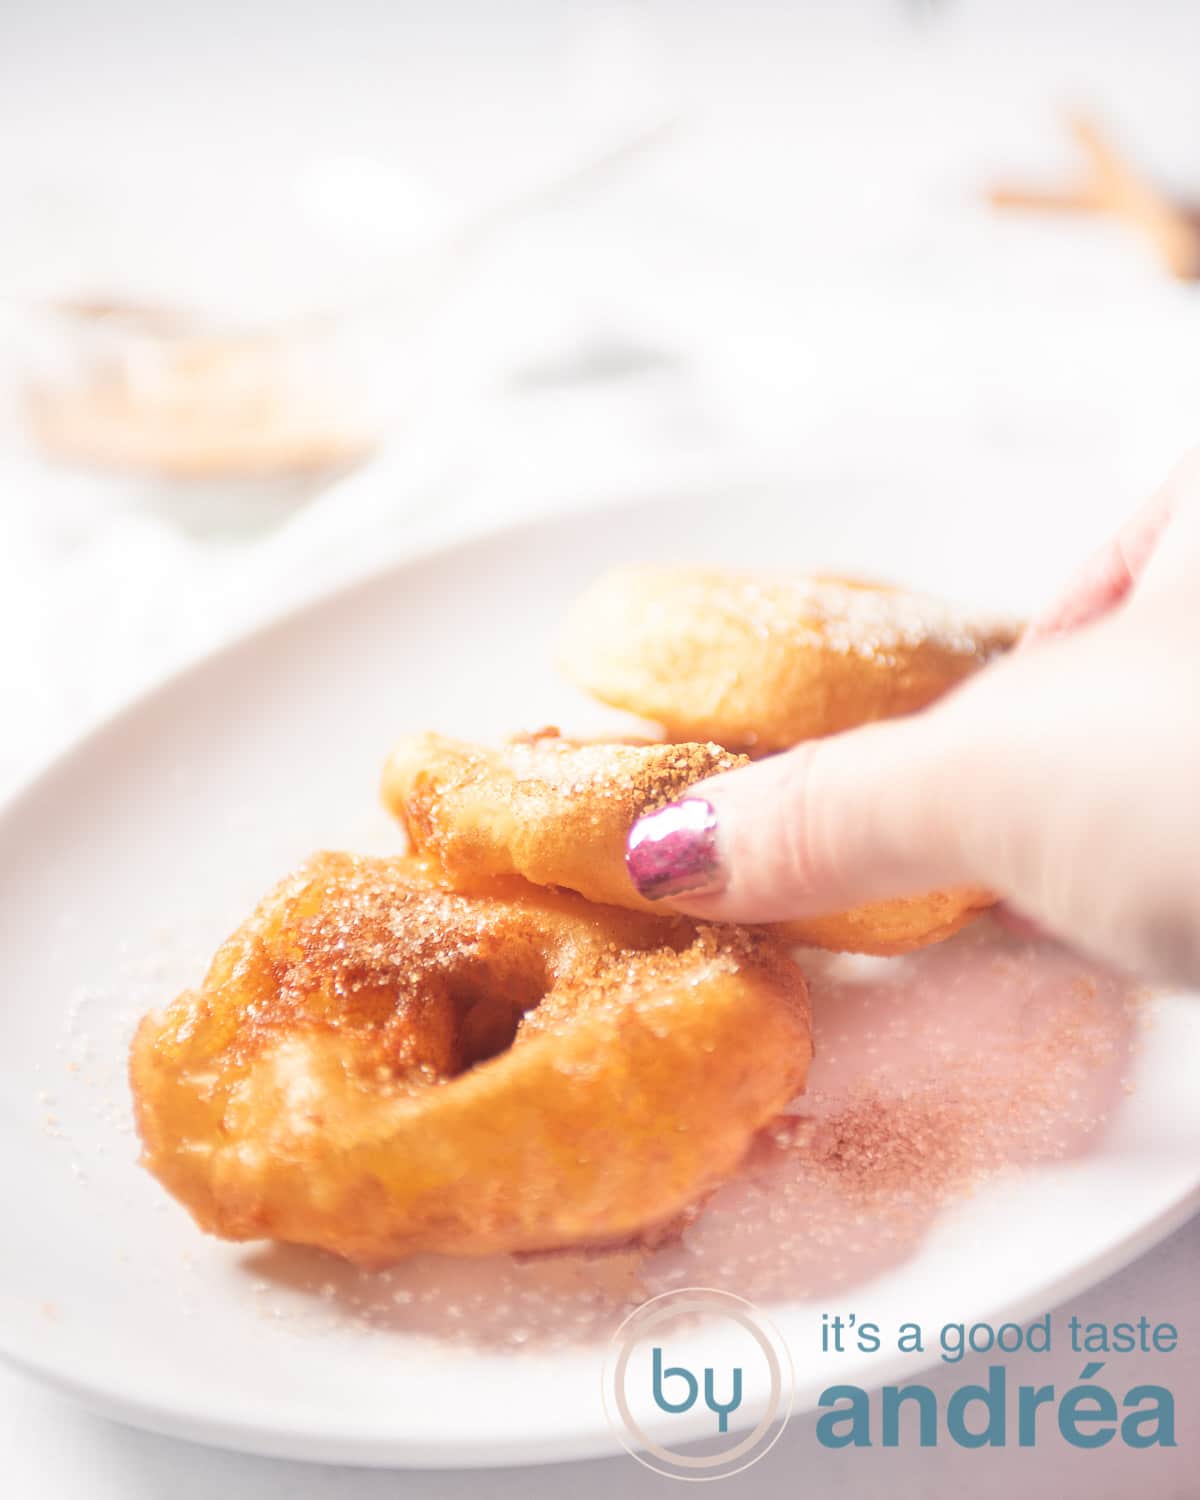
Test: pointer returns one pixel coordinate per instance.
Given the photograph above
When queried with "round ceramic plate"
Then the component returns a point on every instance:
(130, 859)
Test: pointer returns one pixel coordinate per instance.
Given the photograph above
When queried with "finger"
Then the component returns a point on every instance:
(1016, 922)
(823, 827)
(1108, 575)
(1111, 573)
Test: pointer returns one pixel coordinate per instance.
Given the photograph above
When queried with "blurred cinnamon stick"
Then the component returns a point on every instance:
(1114, 185)
(1045, 200)
(1131, 196)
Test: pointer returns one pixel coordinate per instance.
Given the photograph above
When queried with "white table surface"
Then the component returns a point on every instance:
(801, 281)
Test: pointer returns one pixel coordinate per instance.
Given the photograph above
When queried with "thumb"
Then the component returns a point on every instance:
(833, 823)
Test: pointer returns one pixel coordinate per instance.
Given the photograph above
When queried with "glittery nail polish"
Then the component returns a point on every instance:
(673, 852)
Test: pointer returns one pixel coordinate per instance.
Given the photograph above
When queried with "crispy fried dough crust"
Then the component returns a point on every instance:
(551, 809)
(377, 1065)
(558, 813)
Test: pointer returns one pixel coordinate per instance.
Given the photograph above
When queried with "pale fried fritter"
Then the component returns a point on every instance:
(379, 1066)
(760, 662)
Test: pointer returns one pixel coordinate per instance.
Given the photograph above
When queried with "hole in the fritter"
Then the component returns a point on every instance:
(489, 1007)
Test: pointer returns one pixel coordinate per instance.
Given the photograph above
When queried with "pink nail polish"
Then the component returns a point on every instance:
(673, 852)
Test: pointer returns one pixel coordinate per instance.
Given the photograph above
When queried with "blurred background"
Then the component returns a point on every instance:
(290, 289)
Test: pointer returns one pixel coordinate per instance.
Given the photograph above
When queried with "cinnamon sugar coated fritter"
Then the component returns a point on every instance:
(550, 809)
(759, 662)
(558, 813)
(378, 1065)
(932, 1076)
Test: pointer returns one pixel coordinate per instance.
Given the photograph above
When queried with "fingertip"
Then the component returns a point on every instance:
(829, 825)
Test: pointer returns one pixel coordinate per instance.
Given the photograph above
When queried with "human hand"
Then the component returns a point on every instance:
(1066, 777)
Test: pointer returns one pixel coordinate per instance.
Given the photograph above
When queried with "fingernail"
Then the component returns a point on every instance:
(673, 852)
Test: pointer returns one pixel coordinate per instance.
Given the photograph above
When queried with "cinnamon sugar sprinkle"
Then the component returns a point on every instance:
(542, 776)
(643, 775)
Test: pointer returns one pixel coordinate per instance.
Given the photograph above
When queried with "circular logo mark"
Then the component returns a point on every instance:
(704, 1363)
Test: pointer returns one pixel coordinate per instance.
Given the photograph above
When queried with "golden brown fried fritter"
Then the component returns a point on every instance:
(558, 813)
(377, 1065)
(550, 809)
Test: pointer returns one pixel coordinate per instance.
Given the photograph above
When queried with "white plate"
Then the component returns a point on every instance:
(128, 861)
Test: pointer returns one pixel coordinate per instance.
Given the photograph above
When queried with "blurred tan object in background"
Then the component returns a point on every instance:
(153, 390)
(283, 376)
(1115, 186)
